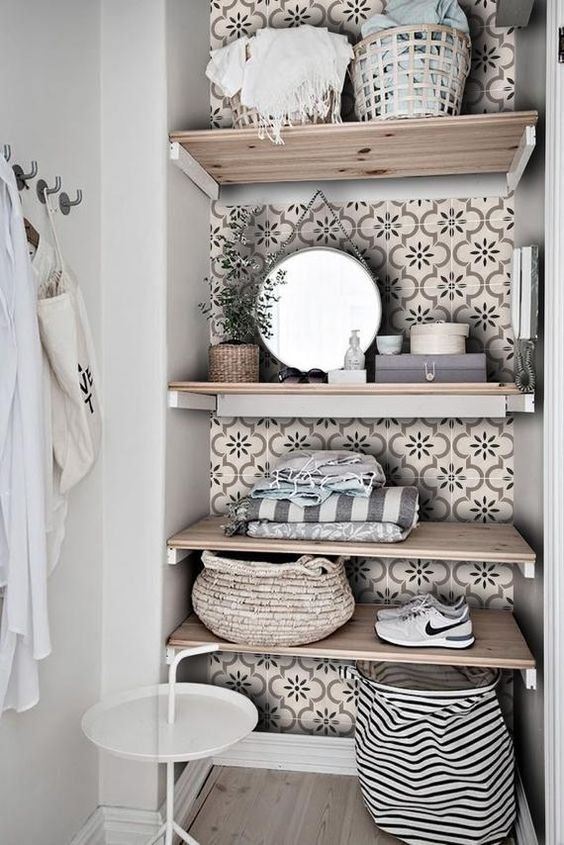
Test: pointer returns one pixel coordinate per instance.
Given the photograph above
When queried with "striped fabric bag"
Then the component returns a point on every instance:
(434, 756)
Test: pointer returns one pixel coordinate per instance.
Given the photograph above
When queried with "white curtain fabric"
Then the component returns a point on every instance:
(24, 628)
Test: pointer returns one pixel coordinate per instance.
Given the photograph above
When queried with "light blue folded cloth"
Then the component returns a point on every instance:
(307, 477)
(406, 12)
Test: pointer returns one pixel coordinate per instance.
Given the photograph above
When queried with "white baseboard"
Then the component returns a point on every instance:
(292, 752)
(188, 786)
(92, 831)
(525, 833)
(126, 826)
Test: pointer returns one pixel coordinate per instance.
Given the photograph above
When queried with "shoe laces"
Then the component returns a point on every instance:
(420, 610)
(415, 606)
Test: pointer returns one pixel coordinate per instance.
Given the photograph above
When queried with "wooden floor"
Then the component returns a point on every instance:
(261, 807)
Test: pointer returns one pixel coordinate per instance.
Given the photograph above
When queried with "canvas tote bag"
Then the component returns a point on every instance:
(434, 756)
(67, 341)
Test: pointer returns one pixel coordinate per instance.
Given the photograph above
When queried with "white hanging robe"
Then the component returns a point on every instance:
(24, 628)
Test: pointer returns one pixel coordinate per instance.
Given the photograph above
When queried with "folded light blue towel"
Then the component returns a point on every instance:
(406, 12)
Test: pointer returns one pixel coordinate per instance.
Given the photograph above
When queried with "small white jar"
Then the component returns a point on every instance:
(439, 339)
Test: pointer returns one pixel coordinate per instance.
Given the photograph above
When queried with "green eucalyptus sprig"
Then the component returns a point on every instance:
(242, 302)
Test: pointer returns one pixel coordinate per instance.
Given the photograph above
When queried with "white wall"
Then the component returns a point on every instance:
(187, 433)
(49, 66)
(134, 155)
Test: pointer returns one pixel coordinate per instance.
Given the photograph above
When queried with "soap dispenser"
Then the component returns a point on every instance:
(354, 357)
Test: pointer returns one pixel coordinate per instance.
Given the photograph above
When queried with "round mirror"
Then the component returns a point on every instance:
(326, 294)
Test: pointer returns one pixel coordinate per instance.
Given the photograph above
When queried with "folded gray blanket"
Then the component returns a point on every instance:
(308, 477)
(396, 505)
(335, 532)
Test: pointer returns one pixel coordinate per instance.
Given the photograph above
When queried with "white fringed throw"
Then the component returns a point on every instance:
(289, 73)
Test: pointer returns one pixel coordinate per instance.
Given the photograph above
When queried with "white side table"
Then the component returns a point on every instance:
(171, 723)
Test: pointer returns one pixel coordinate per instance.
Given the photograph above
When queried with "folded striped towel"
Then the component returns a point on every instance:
(334, 532)
(396, 505)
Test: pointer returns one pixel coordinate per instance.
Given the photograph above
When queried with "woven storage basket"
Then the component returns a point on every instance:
(410, 71)
(234, 362)
(244, 117)
(272, 604)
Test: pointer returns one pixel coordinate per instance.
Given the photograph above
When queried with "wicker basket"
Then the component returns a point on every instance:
(234, 362)
(272, 604)
(244, 117)
(410, 71)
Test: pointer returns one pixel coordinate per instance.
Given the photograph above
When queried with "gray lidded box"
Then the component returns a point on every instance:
(441, 369)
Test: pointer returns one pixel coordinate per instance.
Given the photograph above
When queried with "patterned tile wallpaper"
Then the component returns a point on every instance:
(491, 85)
(434, 260)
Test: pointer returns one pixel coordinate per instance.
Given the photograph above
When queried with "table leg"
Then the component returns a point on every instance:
(169, 821)
(183, 835)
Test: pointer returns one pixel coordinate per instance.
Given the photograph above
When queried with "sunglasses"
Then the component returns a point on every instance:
(291, 375)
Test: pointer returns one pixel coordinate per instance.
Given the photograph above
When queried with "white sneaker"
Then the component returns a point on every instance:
(422, 600)
(427, 627)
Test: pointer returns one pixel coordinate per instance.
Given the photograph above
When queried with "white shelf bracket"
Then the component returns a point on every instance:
(194, 170)
(191, 401)
(523, 404)
(521, 157)
(527, 569)
(175, 556)
(529, 678)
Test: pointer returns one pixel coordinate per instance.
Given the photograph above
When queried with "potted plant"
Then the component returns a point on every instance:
(239, 306)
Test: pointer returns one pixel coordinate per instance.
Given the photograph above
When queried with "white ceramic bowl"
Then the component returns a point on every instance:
(389, 344)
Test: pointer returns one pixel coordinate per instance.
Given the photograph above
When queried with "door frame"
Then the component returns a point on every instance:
(554, 433)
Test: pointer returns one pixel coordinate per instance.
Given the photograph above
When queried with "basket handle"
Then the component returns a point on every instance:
(307, 564)
(349, 673)
(312, 564)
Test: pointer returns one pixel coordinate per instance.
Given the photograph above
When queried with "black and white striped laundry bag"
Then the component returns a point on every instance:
(434, 756)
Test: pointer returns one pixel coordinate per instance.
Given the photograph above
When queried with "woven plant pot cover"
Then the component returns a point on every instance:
(272, 604)
(434, 756)
(231, 362)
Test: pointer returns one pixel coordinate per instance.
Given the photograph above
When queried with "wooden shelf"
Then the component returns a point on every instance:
(486, 399)
(429, 541)
(499, 643)
(442, 146)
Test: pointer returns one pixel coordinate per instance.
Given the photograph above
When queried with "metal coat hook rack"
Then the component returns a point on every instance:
(22, 178)
(65, 203)
(43, 189)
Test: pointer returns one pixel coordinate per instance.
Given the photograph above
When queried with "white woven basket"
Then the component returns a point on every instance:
(272, 604)
(410, 71)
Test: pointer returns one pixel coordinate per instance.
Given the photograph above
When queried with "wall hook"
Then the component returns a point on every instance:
(21, 177)
(43, 188)
(65, 204)
(7, 152)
